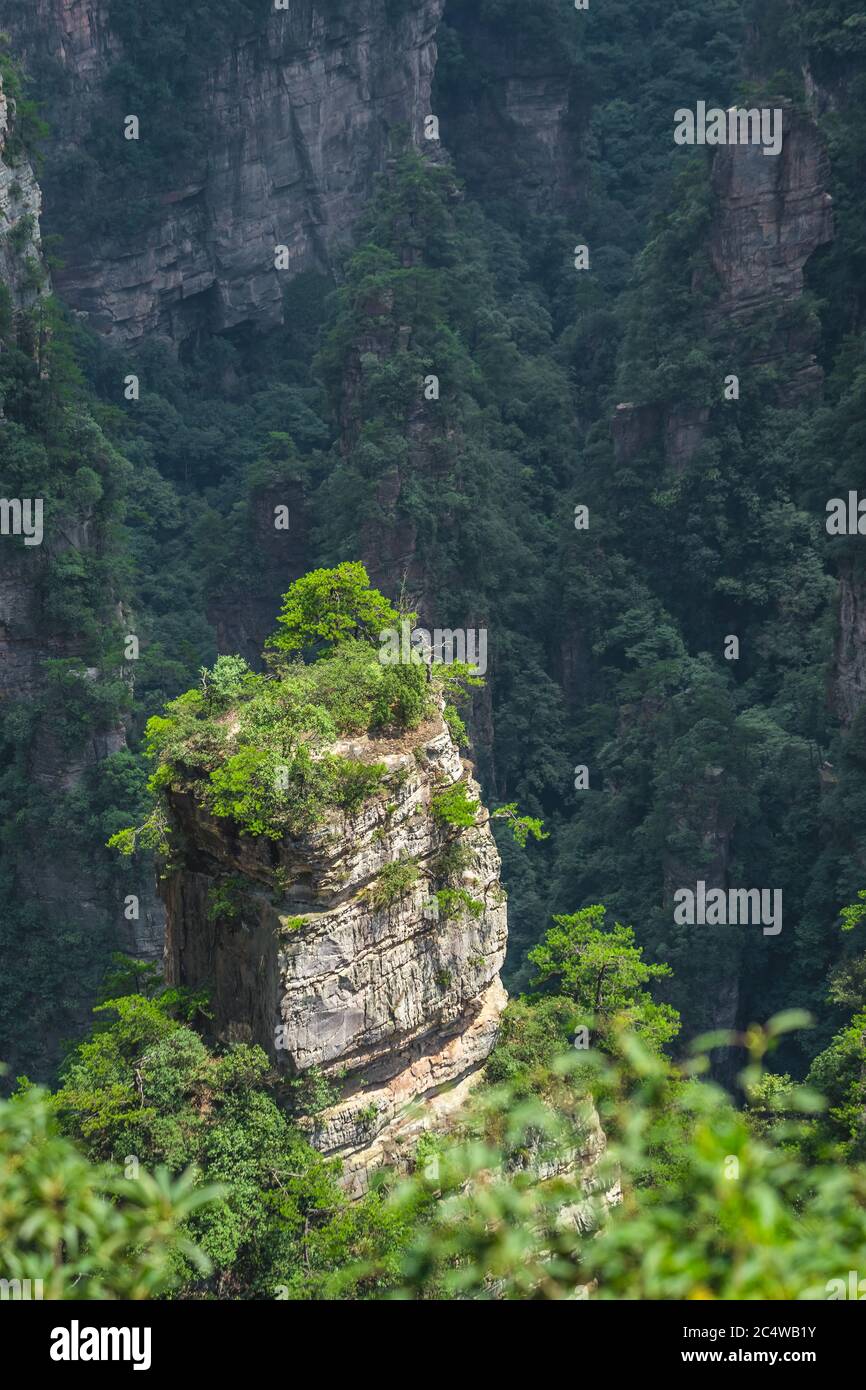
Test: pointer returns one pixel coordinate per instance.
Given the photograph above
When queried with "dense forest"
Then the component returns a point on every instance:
(550, 384)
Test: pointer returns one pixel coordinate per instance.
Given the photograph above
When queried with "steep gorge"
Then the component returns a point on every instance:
(61, 705)
(286, 122)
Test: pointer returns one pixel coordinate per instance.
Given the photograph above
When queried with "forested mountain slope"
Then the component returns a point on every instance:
(301, 383)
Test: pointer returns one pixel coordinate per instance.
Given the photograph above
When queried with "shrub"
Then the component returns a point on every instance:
(394, 881)
(82, 1229)
(292, 923)
(454, 859)
(455, 807)
(353, 783)
(456, 726)
(453, 902)
(224, 900)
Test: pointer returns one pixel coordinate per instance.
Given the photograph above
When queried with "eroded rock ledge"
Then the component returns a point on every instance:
(397, 1003)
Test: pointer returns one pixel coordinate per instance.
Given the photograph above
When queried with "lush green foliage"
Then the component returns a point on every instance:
(265, 1210)
(455, 807)
(602, 971)
(716, 1202)
(120, 1236)
(327, 607)
(255, 748)
(607, 651)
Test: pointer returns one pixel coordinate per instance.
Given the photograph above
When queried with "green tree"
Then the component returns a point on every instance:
(328, 607)
(703, 1207)
(277, 1224)
(603, 970)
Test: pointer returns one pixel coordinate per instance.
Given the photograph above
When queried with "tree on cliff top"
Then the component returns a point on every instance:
(331, 606)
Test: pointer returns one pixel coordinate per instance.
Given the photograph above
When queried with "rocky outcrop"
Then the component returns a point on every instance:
(849, 666)
(680, 431)
(771, 213)
(20, 208)
(633, 428)
(381, 991)
(296, 118)
(516, 126)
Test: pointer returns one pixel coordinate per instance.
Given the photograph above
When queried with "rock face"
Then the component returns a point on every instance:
(385, 994)
(774, 212)
(26, 639)
(242, 614)
(849, 667)
(20, 207)
(519, 131)
(64, 882)
(771, 213)
(296, 119)
(21, 645)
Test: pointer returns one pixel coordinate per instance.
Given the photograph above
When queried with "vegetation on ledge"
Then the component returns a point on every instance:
(256, 748)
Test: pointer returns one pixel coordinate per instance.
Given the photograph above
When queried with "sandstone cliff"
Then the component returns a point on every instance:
(390, 997)
(20, 246)
(515, 118)
(294, 118)
(20, 208)
(848, 688)
(769, 215)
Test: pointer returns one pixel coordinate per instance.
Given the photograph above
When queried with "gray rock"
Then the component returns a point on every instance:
(399, 1008)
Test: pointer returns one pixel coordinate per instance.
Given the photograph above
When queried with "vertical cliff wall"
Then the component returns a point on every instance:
(290, 120)
(763, 219)
(60, 912)
(513, 112)
(769, 215)
(22, 644)
(849, 666)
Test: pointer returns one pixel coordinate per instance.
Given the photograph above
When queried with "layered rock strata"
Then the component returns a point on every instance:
(382, 994)
(296, 117)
